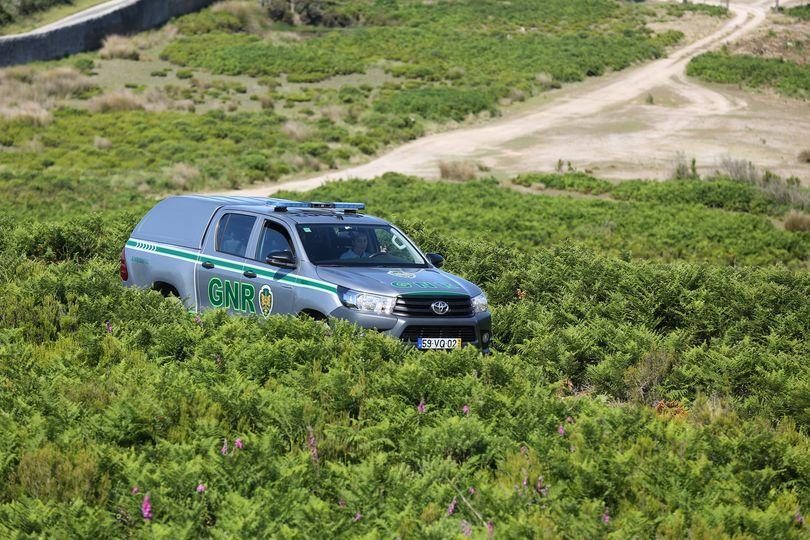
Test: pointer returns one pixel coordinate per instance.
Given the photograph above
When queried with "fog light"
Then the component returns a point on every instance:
(485, 338)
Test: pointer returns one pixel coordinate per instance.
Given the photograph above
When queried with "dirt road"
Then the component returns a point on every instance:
(608, 126)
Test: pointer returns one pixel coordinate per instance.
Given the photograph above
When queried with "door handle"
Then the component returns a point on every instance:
(208, 264)
(249, 274)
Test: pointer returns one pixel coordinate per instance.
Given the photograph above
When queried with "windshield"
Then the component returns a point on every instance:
(358, 245)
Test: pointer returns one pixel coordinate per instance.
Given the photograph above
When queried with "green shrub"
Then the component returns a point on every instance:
(652, 223)
(787, 77)
(113, 394)
(800, 12)
(435, 103)
(208, 21)
(580, 182)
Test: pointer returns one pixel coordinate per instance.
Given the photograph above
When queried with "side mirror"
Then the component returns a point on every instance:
(435, 259)
(284, 259)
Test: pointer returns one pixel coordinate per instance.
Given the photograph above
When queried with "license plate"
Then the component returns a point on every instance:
(438, 343)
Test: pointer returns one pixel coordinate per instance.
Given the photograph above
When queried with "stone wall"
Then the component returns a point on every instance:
(133, 16)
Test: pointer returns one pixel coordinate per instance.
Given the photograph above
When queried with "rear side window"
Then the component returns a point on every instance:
(233, 234)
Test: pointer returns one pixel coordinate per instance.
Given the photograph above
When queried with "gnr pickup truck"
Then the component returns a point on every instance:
(262, 256)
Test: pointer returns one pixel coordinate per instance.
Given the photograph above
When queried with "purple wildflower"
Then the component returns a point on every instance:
(421, 407)
(146, 507)
(471, 490)
(224, 449)
(357, 517)
(561, 430)
(490, 529)
(135, 490)
(452, 507)
(606, 517)
(466, 528)
(108, 326)
(465, 409)
(798, 518)
(312, 444)
(201, 488)
(238, 443)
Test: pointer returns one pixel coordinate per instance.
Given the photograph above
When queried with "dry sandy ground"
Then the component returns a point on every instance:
(607, 126)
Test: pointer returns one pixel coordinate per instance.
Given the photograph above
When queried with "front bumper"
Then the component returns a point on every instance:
(475, 330)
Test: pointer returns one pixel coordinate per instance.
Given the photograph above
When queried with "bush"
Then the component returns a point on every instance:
(208, 21)
(800, 12)
(797, 221)
(787, 77)
(436, 103)
(123, 100)
(460, 171)
(119, 47)
(576, 181)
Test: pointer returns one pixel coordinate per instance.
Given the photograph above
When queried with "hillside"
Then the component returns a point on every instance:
(649, 373)
(620, 391)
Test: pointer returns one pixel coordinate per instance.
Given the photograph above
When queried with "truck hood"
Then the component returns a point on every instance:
(397, 281)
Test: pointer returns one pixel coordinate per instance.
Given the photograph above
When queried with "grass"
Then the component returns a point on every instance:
(36, 19)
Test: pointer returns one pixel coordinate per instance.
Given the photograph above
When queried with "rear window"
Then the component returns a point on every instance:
(233, 234)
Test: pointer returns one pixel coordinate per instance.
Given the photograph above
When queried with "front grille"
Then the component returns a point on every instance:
(466, 333)
(419, 306)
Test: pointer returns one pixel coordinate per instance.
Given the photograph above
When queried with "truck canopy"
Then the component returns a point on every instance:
(182, 221)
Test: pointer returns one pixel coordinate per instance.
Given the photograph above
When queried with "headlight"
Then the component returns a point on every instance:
(374, 303)
(480, 304)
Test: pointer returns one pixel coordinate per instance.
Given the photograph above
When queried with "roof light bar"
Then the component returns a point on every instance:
(282, 205)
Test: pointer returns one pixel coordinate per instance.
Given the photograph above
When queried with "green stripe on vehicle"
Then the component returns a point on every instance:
(200, 258)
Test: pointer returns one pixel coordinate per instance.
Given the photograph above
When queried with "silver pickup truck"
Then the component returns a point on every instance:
(261, 256)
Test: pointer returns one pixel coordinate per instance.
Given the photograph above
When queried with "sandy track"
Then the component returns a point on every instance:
(604, 125)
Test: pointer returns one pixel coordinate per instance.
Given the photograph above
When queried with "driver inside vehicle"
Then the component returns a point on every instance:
(358, 249)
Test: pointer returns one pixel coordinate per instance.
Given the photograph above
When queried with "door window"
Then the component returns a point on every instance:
(233, 234)
(274, 238)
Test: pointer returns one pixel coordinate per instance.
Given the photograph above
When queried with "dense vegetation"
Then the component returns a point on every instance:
(639, 227)
(787, 77)
(649, 377)
(621, 392)
(754, 194)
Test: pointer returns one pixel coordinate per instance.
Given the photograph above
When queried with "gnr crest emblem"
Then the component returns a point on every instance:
(266, 300)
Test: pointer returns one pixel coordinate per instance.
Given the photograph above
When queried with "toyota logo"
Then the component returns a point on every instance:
(440, 308)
